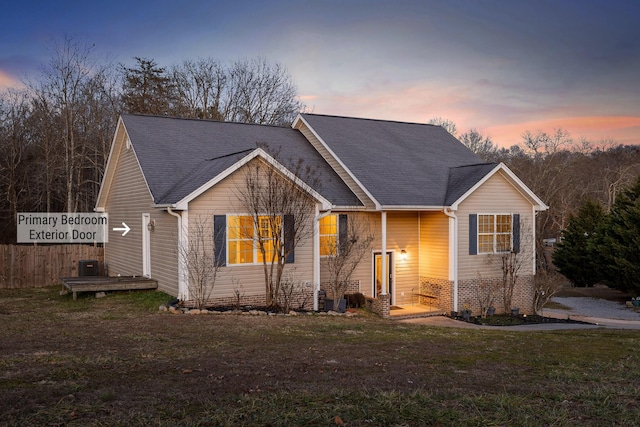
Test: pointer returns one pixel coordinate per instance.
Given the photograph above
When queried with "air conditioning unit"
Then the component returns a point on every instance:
(88, 267)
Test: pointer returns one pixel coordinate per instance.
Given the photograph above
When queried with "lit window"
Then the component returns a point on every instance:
(242, 237)
(494, 233)
(269, 228)
(328, 235)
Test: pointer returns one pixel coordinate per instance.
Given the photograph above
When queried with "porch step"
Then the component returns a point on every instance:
(417, 315)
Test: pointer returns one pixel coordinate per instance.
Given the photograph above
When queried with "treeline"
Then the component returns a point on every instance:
(565, 173)
(55, 134)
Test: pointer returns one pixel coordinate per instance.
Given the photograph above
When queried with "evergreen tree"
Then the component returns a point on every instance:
(146, 89)
(619, 244)
(575, 257)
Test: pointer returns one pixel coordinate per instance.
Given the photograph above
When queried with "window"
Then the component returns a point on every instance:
(328, 235)
(494, 233)
(242, 237)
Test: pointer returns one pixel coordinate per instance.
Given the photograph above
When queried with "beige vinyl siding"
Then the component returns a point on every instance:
(403, 233)
(248, 280)
(164, 251)
(495, 196)
(335, 165)
(364, 271)
(127, 199)
(434, 245)
(114, 155)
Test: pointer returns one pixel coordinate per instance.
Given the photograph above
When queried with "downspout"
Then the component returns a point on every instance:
(181, 290)
(316, 255)
(453, 253)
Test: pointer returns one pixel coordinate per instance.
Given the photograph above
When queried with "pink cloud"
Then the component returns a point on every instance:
(621, 129)
(7, 81)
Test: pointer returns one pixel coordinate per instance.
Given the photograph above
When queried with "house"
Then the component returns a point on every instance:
(442, 219)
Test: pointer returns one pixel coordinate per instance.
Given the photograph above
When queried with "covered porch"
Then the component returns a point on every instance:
(398, 312)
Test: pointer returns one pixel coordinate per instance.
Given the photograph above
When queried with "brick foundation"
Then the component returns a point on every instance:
(299, 300)
(523, 294)
(380, 306)
(441, 289)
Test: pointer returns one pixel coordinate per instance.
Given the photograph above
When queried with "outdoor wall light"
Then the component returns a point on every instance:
(151, 225)
(403, 255)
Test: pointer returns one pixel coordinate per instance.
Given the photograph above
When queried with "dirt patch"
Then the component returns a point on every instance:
(119, 361)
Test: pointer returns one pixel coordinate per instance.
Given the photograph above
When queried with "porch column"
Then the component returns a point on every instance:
(453, 253)
(384, 273)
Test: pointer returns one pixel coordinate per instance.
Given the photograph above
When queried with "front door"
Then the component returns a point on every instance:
(377, 274)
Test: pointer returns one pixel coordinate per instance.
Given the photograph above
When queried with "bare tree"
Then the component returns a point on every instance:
(199, 261)
(486, 292)
(292, 292)
(200, 86)
(448, 125)
(69, 85)
(483, 147)
(547, 284)
(345, 253)
(13, 147)
(281, 211)
(262, 93)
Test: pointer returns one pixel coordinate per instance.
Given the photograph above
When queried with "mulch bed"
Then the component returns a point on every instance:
(508, 320)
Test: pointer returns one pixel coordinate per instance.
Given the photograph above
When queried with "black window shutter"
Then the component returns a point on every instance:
(220, 239)
(343, 230)
(473, 234)
(289, 237)
(516, 233)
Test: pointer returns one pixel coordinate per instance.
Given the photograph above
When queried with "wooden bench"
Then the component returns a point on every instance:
(427, 296)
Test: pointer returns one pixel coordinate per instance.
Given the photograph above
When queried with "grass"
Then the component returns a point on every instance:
(118, 361)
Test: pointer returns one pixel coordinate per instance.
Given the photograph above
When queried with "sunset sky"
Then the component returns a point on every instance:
(500, 66)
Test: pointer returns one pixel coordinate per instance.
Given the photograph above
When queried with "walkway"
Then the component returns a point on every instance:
(598, 313)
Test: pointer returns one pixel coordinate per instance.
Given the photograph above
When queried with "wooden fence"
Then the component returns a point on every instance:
(24, 266)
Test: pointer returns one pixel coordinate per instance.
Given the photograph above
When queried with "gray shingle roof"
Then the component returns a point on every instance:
(462, 178)
(402, 164)
(178, 156)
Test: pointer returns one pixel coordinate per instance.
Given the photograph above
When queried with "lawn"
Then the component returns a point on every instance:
(119, 361)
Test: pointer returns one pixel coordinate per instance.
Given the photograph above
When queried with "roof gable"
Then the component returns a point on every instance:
(464, 178)
(399, 164)
(179, 156)
(120, 143)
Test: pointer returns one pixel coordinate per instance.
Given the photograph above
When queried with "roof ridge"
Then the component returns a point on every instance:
(369, 119)
(474, 165)
(193, 119)
(230, 154)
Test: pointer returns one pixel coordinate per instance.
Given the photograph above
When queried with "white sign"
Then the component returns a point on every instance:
(87, 227)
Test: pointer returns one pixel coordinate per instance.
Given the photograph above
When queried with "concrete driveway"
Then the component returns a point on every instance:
(599, 313)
